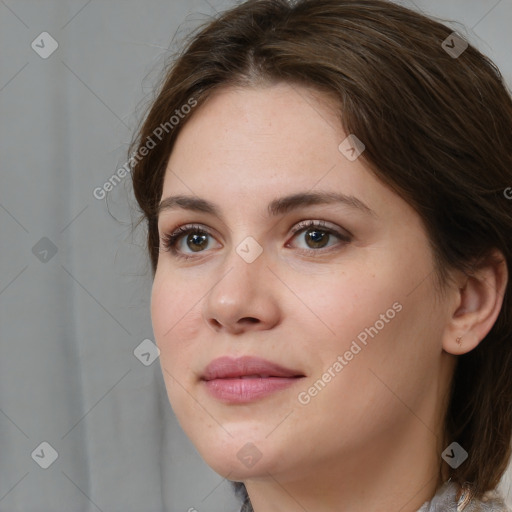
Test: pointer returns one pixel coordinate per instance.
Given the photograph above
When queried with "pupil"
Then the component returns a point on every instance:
(197, 240)
(317, 237)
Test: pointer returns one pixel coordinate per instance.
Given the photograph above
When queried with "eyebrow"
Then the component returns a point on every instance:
(276, 207)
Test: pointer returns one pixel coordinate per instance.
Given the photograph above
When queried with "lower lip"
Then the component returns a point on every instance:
(247, 390)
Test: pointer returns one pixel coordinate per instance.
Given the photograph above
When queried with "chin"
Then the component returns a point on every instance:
(238, 457)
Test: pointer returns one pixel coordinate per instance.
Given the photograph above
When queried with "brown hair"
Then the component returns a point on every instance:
(437, 130)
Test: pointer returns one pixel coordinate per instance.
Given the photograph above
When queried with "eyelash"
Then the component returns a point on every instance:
(170, 240)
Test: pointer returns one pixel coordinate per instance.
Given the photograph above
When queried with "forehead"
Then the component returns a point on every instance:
(245, 147)
(272, 132)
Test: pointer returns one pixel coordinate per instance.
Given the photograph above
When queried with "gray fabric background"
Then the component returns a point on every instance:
(70, 320)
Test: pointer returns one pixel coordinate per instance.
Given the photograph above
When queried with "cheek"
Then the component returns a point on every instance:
(177, 320)
(172, 302)
(336, 306)
(375, 320)
(389, 346)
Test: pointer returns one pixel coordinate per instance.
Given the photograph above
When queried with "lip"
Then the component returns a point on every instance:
(245, 379)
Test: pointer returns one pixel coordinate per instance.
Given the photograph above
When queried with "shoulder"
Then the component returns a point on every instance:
(492, 501)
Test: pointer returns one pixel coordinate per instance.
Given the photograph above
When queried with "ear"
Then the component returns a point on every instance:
(477, 304)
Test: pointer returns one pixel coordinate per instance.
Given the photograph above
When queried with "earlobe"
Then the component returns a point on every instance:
(477, 305)
(460, 345)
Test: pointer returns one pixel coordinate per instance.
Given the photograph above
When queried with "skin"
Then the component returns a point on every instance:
(371, 439)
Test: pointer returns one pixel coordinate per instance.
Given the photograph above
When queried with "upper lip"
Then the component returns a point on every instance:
(231, 368)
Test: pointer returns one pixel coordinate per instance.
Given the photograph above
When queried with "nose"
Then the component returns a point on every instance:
(244, 298)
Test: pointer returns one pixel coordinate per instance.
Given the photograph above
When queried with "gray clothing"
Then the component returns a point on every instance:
(445, 500)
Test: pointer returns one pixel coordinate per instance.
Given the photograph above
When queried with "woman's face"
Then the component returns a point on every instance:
(346, 308)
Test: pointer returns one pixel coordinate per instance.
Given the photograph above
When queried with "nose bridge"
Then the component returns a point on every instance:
(243, 269)
(242, 290)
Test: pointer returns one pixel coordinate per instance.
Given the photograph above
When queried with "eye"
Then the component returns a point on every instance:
(317, 235)
(192, 237)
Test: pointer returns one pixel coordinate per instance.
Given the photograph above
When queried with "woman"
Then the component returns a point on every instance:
(325, 190)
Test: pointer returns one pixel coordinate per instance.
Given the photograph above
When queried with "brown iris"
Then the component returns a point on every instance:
(200, 241)
(317, 237)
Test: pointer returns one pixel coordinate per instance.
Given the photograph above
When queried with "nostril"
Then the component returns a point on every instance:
(249, 320)
(215, 323)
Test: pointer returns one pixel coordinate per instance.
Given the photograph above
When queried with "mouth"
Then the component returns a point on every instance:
(245, 379)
